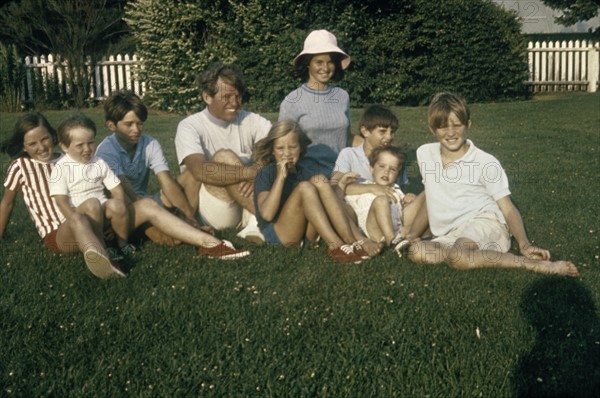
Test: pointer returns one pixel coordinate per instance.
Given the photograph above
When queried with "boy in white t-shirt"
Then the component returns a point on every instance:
(80, 175)
(471, 214)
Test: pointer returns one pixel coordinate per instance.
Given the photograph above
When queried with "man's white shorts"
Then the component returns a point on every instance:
(218, 213)
(484, 229)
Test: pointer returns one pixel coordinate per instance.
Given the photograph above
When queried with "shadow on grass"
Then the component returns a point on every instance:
(565, 360)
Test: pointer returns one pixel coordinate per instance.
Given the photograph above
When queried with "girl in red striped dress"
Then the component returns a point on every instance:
(31, 147)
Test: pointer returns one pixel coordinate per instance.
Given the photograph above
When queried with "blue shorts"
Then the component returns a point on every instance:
(270, 235)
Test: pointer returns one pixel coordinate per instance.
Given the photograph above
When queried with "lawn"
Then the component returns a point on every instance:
(291, 323)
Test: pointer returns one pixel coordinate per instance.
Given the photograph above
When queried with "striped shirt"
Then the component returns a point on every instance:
(31, 177)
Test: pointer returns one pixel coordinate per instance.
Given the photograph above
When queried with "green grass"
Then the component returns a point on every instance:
(293, 324)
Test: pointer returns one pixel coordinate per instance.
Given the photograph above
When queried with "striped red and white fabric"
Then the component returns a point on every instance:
(31, 177)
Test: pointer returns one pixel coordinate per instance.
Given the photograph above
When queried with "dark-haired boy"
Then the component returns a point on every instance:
(131, 155)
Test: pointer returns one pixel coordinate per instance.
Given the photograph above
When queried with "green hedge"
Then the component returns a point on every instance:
(402, 51)
(12, 79)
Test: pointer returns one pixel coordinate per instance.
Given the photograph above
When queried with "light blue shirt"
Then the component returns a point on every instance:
(148, 156)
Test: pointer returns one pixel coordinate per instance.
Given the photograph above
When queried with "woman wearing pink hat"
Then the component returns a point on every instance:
(321, 109)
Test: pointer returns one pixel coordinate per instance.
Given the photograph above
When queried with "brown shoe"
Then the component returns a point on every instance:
(345, 254)
(223, 251)
(359, 251)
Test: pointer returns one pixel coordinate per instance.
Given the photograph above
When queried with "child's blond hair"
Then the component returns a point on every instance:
(263, 149)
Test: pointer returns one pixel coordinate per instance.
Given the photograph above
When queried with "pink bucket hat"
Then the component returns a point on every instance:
(320, 42)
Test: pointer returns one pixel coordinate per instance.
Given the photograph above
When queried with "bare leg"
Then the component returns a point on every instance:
(302, 207)
(94, 212)
(379, 220)
(147, 210)
(76, 234)
(416, 217)
(334, 209)
(116, 212)
(465, 255)
(191, 187)
(371, 247)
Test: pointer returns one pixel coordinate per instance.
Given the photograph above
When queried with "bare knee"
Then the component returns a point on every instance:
(381, 202)
(319, 180)
(91, 207)
(186, 179)
(305, 186)
(147, 204)
(115, 208)
(226, 156)
(78, 221)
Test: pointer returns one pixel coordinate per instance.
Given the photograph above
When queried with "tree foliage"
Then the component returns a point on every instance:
(574, 10)
(177, 39)
(402, 51)
(12, 78)
(76, 31)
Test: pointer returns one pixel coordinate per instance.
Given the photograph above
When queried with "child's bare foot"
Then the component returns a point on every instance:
(372, 248)
(565, 268)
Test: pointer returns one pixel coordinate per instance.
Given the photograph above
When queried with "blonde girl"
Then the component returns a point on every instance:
(290, 203)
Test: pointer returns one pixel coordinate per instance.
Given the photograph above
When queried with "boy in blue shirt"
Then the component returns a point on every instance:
(131, 155)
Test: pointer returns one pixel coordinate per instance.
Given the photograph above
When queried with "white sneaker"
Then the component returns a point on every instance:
(101, 266)
(251, 232)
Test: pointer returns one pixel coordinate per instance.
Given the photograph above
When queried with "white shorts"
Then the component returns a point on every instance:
(361, 204)
(484, 229)
(218, 213)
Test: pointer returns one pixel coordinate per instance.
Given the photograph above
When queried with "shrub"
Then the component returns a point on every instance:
(402, 52)
(177, 40)
(12, 79)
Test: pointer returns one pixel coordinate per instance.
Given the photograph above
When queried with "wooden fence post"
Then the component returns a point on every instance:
(593, 66)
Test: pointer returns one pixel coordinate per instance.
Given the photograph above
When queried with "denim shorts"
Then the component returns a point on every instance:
(270, 235)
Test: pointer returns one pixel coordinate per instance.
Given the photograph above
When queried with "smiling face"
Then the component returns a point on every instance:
(127, 130)
(226, 103)
(320, 70)
(287, 149)
(82, 146)
(386, 169)
(452, 137)
(37, 143)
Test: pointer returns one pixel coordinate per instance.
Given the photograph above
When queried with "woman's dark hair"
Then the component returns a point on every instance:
(301, 66)
(13, 146)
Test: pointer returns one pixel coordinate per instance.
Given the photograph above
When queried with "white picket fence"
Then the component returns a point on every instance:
(110, 74)
(553, 66)
(564, 65)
